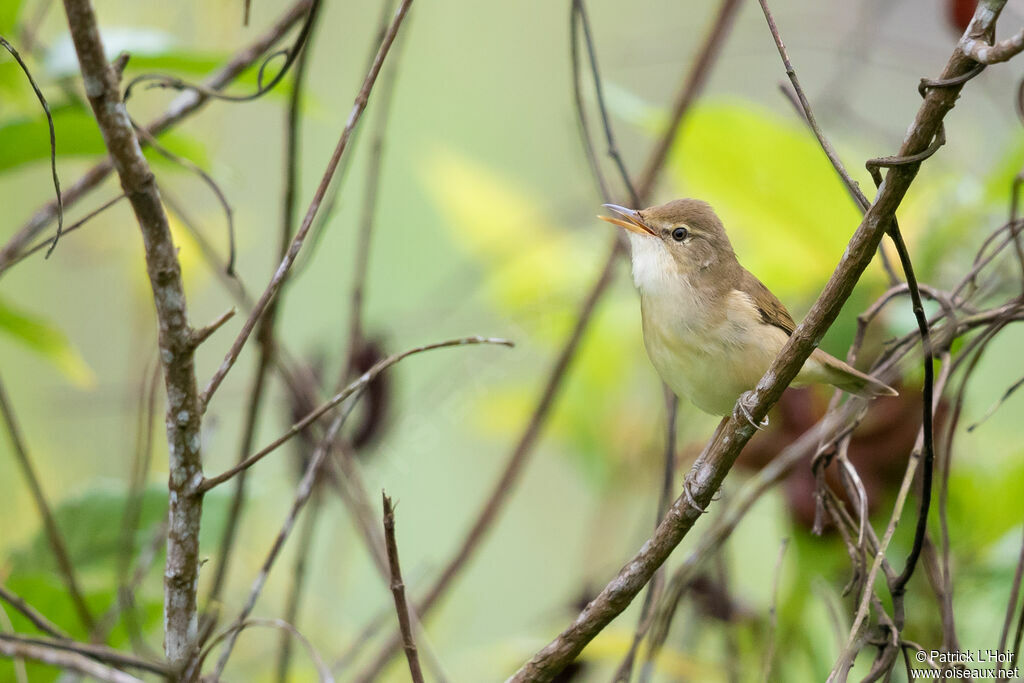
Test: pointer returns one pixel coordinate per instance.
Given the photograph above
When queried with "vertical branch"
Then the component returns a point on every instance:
(175, 335)
(398, 592)
(53, 535)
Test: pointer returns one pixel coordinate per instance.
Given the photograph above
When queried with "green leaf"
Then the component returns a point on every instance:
(774, 189)
(47, 341)
(9, 10)
(91, 525)
(26, 139)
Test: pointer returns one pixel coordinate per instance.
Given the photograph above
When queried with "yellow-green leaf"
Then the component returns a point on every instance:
(46, 340)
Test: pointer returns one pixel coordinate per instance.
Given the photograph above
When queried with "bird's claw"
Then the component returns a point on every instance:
(744, 410)
(689, 497)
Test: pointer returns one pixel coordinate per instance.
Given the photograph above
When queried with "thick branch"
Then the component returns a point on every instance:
(175, 336)
(709, 471)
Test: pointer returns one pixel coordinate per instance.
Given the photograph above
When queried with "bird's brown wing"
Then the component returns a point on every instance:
(767, 304)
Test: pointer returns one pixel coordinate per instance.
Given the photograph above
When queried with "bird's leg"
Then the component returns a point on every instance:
(743, 406)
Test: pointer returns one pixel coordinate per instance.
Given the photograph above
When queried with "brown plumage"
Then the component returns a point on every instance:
(711, 328)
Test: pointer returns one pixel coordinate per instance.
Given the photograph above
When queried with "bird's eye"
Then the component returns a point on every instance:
(679, 234)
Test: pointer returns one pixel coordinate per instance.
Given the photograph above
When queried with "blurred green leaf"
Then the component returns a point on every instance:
(91, 524)
(46, 340)
(787, 212)
(999, 486)
(9, 10)
(27, 139)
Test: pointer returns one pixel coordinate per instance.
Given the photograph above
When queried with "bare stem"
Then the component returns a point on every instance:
(398, 592)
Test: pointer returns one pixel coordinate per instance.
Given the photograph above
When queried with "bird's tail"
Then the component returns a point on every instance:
(842, 376)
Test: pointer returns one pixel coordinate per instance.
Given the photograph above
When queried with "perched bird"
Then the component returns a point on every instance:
(712, 329)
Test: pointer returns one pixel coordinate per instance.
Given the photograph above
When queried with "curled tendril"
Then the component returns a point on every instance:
(155, 80)
(53, 141)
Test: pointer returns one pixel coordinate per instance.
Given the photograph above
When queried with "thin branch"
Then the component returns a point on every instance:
(694, 82)
(708, 472)
(323, 671)
(53, 535)
(356, 386)
(983, 52)
(181, 108)
(69, 661)
(98, 653)
(53, 140)
(291, 55)
(398, 592)
(33, 615)
(807, 113)
(309, 479)
(314, 206)
(175, 333)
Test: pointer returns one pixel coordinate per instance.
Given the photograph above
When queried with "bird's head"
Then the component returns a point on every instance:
(680, 238)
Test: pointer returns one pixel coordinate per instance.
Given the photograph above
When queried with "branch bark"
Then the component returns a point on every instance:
(175, 335)
(709, 471)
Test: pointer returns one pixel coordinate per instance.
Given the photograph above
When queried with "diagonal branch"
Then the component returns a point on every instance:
(709, 471)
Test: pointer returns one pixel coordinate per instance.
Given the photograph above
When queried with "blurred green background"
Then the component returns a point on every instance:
(486, 226)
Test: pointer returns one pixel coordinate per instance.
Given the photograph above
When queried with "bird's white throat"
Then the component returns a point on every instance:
(654, 270)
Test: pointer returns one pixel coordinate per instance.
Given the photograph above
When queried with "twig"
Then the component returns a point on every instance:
(53, 140)
(356, 334)
(694, 81)
(300, 572)
(356, 386)
(981, 51)
(95, 652)
(807, 113)
(519, 454)
(53, 534)
(33, 615)
(398, 592)
(190, 165)
(580, 11)
(773, 614)
(708, 472)
(290, 55)
(68, 229)
(305, 489)
(175, 334)
(323, 671)
(182, 107)
(71, 661)
(300, 235)
(1011, 603)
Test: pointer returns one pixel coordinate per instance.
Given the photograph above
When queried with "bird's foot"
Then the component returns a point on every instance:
(743, 408)
(689, 497)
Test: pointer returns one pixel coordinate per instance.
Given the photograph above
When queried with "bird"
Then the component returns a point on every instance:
(710, 327)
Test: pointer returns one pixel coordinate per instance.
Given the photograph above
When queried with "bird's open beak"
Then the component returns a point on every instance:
(632, 220)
